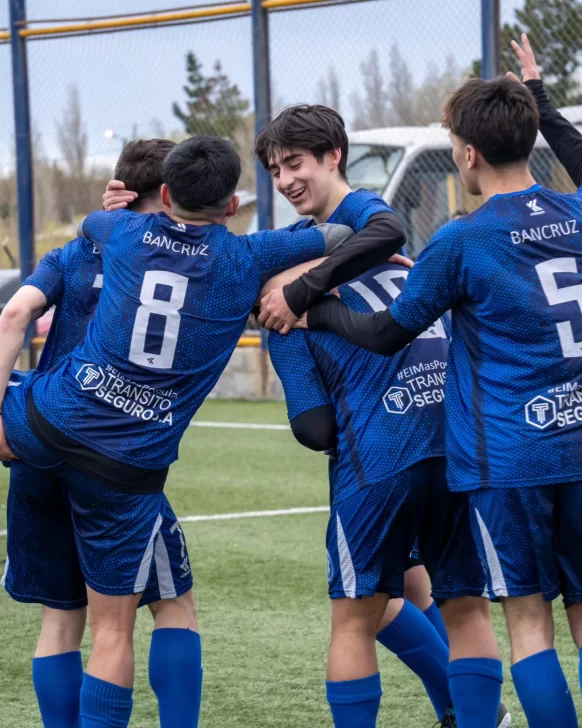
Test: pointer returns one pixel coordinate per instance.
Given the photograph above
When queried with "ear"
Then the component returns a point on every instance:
(471, 155)
(232, 207)
(165, 195)
(334, 158)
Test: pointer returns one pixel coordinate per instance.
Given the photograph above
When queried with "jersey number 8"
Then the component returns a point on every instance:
(169, 310)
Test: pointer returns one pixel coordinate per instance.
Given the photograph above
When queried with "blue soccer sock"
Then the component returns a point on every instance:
(475, 684)
(176, 676)
(57, 681)
(355, 703)
(413, 639)
(104, 705)
(434, 616)
(543, 691)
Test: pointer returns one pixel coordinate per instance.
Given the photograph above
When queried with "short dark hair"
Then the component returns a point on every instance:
(499, 118)
(202, 174)
(140, 166)
(317, 128)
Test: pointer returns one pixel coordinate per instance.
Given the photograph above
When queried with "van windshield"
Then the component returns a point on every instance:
(371, 166)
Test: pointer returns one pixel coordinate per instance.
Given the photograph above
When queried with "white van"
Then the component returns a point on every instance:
(413, 169)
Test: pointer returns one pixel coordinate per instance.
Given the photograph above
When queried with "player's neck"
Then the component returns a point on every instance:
(338, 195)
(194, 220)
(506, 181)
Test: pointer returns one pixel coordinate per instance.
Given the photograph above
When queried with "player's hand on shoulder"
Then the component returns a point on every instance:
(275, 313)
(527, 61)
(5, 451)
(116, 197)
(401, 260)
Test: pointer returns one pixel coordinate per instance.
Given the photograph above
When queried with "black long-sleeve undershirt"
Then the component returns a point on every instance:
(382, 237)
(316, 428)
(377, 332)
(564, 139)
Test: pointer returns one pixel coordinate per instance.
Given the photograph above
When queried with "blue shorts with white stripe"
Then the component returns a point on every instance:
(372, 532)
(66, 530)
(529, 540)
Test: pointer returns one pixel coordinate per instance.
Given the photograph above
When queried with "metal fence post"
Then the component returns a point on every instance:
(490, 32)
(23, 144)
(262, 92)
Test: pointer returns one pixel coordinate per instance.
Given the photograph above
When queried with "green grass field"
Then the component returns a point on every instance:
(261, 591)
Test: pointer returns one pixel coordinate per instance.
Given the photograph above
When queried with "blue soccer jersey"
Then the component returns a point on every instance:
(354, 211)
(71, 278)
(389, 412)
(511, 274)
(176, 302)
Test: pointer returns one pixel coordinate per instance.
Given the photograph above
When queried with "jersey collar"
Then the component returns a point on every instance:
(519, 193)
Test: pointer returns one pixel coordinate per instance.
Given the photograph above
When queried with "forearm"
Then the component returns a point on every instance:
(13, 325)
(564, 139)
(382, 237)
(377, 332)
(288, 276)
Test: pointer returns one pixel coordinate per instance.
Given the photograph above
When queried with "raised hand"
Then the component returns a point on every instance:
(527, 60)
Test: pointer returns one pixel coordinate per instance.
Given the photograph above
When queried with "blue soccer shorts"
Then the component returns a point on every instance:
(66, 530)
(446, 541)
(371, 534)
(529, 540)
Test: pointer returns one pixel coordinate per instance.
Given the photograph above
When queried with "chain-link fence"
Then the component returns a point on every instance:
(386, 65)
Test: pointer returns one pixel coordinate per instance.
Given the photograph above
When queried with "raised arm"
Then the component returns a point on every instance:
(564, 139)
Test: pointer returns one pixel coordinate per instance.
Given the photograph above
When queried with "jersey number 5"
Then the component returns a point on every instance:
(547, 275)
(169, 310)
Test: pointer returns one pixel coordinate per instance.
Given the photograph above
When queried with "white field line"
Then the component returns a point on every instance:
(238, 425)
(247, 514)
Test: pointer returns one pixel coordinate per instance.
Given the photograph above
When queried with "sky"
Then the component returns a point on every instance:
(131, 79)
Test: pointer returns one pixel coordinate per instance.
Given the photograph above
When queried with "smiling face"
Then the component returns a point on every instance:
(305, 181)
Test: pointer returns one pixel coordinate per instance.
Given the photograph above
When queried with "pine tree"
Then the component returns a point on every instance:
(214, 105)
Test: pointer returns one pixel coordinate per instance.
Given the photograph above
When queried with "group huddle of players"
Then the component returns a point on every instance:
(435, 510)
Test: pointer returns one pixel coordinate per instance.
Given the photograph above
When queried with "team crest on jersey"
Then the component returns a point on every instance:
(540, 412)
(397, 400)
(90, 377)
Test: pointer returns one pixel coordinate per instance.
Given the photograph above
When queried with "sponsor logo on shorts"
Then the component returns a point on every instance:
(329, 568)
(185, 563)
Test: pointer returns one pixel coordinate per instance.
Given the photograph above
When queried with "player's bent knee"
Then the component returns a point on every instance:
(417, 587)
(359, 615)
(530, 625)
(457, 611)
(178, 613)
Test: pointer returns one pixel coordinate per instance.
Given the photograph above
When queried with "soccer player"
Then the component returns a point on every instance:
(43, 565)
(383, 426)
(510, 274)
(178, 291)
